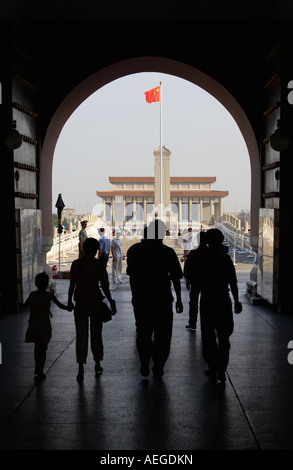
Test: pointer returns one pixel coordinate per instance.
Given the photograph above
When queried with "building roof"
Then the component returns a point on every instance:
(198, 192)
(126, 192)
(131, 179)
(149, 192)
(151, 179)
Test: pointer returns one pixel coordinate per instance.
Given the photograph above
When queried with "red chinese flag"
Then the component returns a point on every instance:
(153, 95)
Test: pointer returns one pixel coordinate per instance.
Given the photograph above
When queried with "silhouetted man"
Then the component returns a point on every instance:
(189, 267)
(213, 275)
(152, 266)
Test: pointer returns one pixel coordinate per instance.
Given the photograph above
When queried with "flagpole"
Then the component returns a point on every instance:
(161, 158)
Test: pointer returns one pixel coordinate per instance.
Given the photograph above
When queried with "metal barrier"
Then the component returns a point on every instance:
(239, 241)
(68, 242)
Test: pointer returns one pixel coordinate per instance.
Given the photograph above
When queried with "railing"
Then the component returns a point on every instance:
(238, 240)
(68, 242)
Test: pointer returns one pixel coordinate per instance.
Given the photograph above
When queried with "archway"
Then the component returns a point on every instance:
(128, 67)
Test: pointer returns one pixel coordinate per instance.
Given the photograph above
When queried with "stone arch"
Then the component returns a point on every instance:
(128, 67)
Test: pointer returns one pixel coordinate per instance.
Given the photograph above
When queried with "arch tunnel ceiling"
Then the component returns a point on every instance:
(68, 52)
(72, 41)
(149, 9)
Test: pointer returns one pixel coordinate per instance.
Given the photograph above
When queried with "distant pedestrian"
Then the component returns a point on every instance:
(82, 236)
(104, 249)
(118, 257)
(213, 276)
(153, 267)
(190, 242)
(39, 329)
(85, 276)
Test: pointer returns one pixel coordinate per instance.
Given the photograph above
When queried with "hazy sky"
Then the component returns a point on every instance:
(115, 131)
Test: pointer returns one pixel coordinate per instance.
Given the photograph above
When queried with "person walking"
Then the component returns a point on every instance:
(213, 277)
(85, 275)
(39, 329)
(189, 243)
(152, 268)
(190, 267)
(117, 253)
(82, 236)
(104, 249)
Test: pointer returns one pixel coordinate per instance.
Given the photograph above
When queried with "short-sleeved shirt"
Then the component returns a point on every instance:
(152, 266)
(190, 243)
(105, 244)
(82, 234)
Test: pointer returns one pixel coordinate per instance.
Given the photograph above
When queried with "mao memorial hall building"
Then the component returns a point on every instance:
(188, 199)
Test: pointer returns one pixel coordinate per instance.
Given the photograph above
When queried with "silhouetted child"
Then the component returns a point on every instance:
(39, 327)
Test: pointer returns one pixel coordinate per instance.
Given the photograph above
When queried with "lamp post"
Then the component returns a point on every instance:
(60, 206)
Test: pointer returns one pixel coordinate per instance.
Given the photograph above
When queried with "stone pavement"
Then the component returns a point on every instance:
(120, 410)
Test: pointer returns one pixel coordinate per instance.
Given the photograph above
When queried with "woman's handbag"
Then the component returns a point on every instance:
(106, 312)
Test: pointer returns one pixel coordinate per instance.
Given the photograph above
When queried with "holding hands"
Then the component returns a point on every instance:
(70, 306)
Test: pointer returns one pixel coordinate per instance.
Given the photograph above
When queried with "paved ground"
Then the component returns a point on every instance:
(121, 411)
